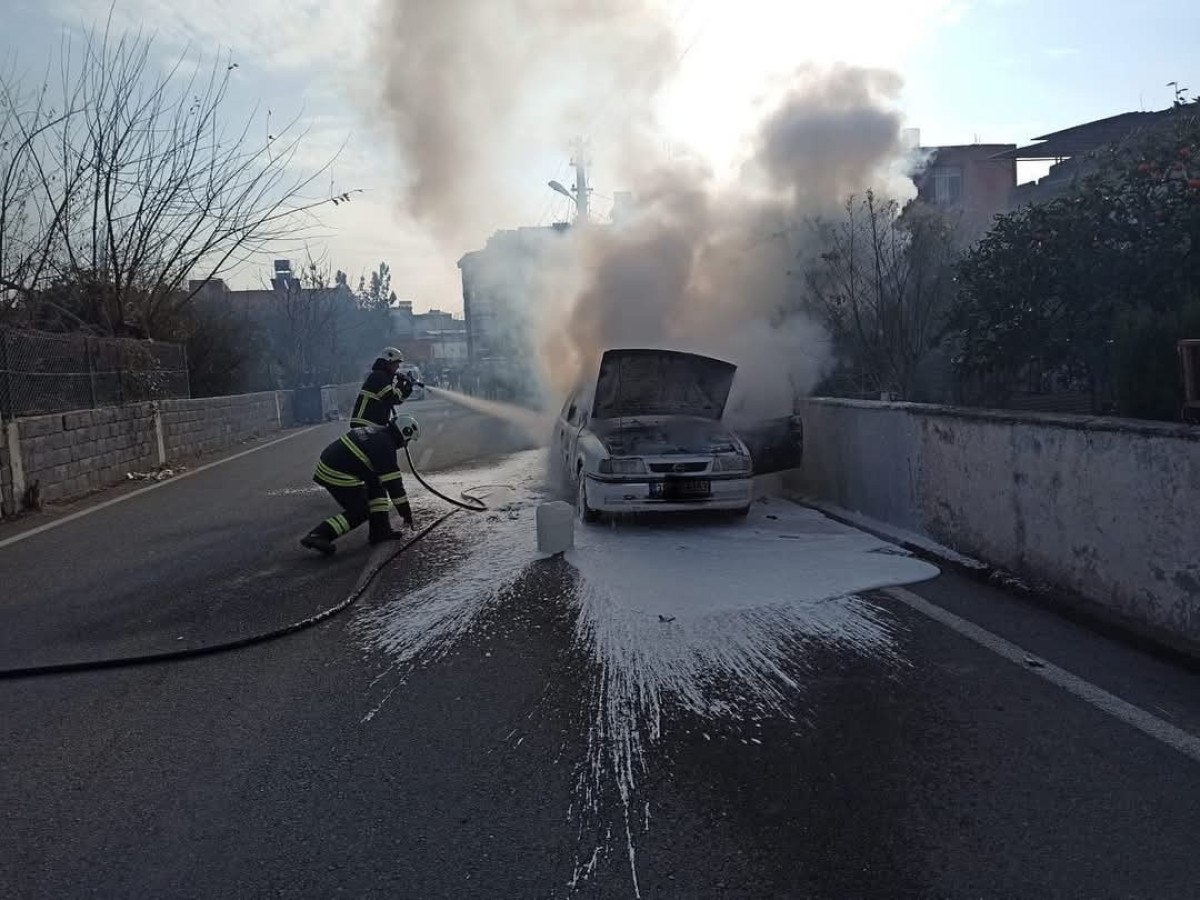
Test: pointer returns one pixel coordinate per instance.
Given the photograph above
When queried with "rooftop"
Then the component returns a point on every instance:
(1079, 139)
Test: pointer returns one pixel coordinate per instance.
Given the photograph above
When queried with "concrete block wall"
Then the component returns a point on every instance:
(1106, 509)
(340, 398)
(69, 454)
(75, 453)
(194, 428)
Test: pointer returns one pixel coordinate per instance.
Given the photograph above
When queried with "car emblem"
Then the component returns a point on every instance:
(681, 467)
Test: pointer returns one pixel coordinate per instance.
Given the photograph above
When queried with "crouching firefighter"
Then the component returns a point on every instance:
(360, 472)
(384, 389)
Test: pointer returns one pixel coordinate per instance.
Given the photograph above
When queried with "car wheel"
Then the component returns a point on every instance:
(582, 510)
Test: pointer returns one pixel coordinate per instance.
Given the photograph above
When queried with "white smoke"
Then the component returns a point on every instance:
(712, 267)
(703, 264)
(473, 91)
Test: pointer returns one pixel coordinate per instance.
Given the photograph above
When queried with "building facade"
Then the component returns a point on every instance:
(971, 182)
(499, 285)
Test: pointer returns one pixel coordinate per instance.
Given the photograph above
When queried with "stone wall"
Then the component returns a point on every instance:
(194, 428)
(75, 453)
(69, 454)
(72, 454)
(1105, 509)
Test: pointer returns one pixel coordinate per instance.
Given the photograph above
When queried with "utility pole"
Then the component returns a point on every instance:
(580, 195)
(579, 162)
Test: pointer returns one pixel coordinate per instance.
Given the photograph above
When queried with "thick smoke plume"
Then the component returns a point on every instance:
(474, 92)
(713, 267)
(703, 263)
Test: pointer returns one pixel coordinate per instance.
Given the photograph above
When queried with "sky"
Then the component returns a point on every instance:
(1000, 71)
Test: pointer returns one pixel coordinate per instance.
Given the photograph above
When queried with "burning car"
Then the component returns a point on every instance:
(648, 436)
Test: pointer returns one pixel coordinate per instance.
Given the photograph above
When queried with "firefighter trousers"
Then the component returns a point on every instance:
(359, 504)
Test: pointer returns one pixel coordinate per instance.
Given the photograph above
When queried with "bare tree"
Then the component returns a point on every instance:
(883, 286)
(35, 195)
(136, 183)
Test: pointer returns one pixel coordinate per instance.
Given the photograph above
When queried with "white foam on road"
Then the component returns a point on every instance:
(712, 617)
(782, 554)
(428, 622)
(716, 619)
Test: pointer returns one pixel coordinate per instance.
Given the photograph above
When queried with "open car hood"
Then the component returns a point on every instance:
(661, 383)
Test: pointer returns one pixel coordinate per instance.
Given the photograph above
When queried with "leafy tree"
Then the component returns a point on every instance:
(1096, 284)
(376, 293)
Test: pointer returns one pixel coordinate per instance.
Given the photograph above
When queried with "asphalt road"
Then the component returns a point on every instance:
(487, 724)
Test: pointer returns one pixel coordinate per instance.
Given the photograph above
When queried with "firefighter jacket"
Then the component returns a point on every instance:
(365, 457)
(379, 393)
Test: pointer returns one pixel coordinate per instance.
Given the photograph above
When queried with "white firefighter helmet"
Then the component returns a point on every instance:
(407, 428)
(392, 355)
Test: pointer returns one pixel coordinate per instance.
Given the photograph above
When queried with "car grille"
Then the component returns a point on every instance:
(686, 468)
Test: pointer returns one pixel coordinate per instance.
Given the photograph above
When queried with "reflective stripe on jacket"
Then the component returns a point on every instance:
(362, 456)
(375, 400)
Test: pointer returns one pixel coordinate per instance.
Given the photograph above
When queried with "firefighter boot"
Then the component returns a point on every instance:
(381, 529)
(320, 539)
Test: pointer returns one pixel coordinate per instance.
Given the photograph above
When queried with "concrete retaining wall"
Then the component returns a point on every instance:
(1106, 509)
(69, 454)
(194, 428)
(75, 453)
(339, 398)
(72, 454)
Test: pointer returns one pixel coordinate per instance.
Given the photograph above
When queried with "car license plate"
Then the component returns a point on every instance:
(681, 489)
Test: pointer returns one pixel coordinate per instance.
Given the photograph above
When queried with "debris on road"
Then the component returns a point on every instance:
(161, 474)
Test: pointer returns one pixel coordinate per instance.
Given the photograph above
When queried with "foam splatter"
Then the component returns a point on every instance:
(715, 618)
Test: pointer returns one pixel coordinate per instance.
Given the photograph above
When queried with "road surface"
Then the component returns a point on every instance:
(700, 709)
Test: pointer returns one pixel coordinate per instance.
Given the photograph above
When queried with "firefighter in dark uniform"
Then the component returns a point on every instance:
(360, 472)
(382, 390)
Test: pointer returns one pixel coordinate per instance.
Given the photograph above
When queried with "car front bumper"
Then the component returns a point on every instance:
(614, 496)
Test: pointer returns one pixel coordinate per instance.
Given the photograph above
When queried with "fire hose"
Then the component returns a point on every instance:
(469, 502)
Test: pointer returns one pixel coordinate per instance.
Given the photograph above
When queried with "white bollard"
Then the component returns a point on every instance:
(555, 527)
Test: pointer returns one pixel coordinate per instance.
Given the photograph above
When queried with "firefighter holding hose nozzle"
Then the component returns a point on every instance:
(384, 389)
(361, 473)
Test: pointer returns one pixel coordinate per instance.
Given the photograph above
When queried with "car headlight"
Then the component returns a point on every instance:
(732, 462)
(629, 466)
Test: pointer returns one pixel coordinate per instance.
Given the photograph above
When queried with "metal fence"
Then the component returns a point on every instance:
(46, 373)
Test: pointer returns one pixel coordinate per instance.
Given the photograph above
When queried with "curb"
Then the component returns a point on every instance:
(1073, 607)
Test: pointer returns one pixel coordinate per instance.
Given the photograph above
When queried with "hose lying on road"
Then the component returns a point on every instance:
(469, 502)
(474, 504)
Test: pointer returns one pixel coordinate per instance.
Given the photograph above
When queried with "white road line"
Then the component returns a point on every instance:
(153, 487)
(1152, 726)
